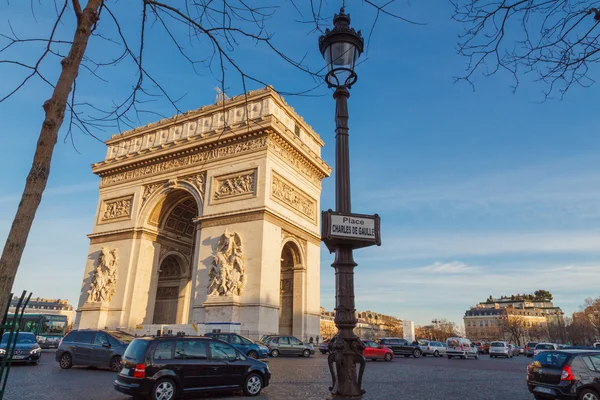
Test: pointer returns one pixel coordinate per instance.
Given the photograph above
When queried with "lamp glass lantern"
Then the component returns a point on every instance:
(341, 47)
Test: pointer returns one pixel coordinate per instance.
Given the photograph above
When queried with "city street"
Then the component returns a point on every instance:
(306, 379)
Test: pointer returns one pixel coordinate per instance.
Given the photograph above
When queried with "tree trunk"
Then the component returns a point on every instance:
(40, 169)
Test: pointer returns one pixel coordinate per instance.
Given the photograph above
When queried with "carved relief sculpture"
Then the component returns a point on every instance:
(227, 275)
(104, 280)
(116, 209)
(234, 185)
(293, 197)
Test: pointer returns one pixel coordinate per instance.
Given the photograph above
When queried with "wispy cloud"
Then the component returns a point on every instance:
(454, 267)
(55, 191)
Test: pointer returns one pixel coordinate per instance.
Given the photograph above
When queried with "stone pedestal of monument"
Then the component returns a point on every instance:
(222, 313)
(93, 315)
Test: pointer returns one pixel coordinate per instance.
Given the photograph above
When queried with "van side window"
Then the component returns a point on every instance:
(163, 351)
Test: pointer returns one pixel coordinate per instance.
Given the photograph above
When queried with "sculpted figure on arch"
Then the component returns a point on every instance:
(227, 275)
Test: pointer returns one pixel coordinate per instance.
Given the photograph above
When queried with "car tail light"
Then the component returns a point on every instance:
(567, 374)
(139, 371)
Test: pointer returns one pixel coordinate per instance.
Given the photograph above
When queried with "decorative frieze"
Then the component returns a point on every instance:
(116, 209)
(295, 160)
(104, 278)
(227, 276)
(185, 161)
(292, 197)
(236, 185)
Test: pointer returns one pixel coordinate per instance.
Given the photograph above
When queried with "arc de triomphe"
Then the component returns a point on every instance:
(211, 216)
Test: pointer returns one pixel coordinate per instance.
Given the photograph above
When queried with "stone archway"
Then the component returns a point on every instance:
(290, 289)
(172, 217)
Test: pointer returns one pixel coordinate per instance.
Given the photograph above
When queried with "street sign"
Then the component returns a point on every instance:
(355, 230)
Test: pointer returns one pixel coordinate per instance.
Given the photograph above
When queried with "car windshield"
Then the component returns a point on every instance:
(135, 351)
(497, 344)
(550, 359)
(122, 336)
(22, 338)
(531, 344)
(245, 338)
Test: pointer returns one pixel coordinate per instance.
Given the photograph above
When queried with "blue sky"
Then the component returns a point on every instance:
(481, 192)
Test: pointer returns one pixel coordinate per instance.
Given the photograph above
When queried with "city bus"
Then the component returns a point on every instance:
(49, 329)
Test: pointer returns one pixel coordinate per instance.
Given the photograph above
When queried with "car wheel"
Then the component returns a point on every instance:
(306, 353)
(477, 356)
(388, 357)
(274, 353)
(323, 352)
(588, 394)
(449, 357)
(436, 353)
(253, 354)
(65, 361)
(164, 389)
(253, 385)
(417, 353)
(115, 364)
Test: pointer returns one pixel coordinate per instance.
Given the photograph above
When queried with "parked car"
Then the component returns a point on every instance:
(530, 348)
(460, 347)
(565, 374)
(324, 347)
(401, 347)
(26, 348)
(243, 344)
(436, 349)
(374, 351)
(540, 347)
(521, 350)
(265, 338)
(98, 348)
(514, 349)
(500, 349)
(288, 345)
(486, 348)
(166, 367)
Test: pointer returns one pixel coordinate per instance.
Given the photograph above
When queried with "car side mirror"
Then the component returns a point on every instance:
(107, 345)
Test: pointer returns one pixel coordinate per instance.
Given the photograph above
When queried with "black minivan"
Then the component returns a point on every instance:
(167, 367)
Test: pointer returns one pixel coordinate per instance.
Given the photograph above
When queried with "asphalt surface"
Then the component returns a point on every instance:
(304, 378)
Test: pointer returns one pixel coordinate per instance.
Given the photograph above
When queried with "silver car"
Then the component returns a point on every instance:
(288, 345)
(436, 349)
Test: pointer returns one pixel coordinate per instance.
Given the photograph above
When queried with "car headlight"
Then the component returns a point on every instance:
(35, 351)
(2, 351)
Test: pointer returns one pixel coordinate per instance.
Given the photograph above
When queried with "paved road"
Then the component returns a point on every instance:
(306, 379)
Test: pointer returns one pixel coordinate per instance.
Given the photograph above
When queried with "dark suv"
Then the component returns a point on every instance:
(97, 348)
(167, 367)
(401, 347)
(565, 374)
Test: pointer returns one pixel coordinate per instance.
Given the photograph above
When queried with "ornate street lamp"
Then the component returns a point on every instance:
(342, 231)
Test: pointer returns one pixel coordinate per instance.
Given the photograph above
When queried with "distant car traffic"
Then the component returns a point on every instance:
(166, 368)
(401, 347)
(243, 344)
(480, 347)
(96, 348)
(500, 349)
(565, 375)
(461, 348)
(514, 349)
(324, 347)
(26, 347)
(540, 347)
(288, 345)
(374, 351)
(530, 348)
(436, 349)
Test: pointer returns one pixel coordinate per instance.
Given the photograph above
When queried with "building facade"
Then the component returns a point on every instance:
(370, 325)
(209, 219)
(509, 317)
(40, 305)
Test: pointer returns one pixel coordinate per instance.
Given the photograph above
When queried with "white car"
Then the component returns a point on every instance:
(460, 347)
(500, 349)
(540, 347)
